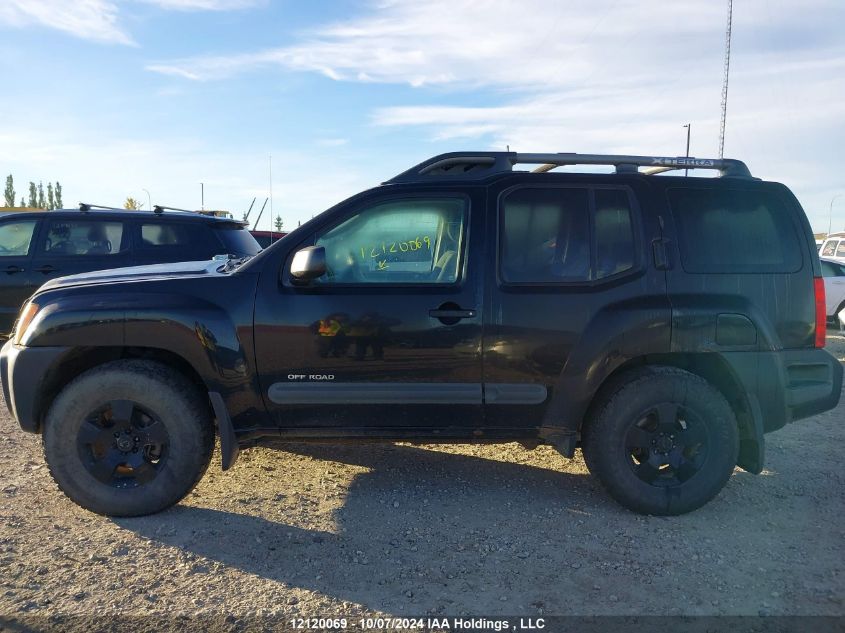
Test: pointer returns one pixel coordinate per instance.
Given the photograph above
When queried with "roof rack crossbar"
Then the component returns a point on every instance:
(86, 206)
(483, 164)
(158, 209)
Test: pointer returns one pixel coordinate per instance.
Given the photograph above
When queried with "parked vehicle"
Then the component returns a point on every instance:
(834, 247)
(36, 247)
(460, 301)
(834, 287)
(267, 238)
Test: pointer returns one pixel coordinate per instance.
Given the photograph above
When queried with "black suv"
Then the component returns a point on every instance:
(38, 246)
(460, 301)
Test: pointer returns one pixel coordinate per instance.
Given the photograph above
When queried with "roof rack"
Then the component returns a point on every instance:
(478, 165)
(85, 207)
(158, 209)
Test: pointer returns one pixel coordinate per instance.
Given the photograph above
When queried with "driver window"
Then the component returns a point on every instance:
(15, 238)
(402, 241)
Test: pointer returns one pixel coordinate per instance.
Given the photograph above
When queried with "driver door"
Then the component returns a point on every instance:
(390, 335)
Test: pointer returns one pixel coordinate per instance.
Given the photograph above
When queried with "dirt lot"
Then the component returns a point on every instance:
(401, 529)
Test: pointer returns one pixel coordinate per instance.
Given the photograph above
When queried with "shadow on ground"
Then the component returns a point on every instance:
(388, 552)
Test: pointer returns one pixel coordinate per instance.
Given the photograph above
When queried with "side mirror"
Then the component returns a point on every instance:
(308, 264)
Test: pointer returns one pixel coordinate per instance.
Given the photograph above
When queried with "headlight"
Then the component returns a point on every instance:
(27, 314)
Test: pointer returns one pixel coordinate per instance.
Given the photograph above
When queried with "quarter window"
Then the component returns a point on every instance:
(829, 248)
(73, 237)
(15, 238)
(547, 235)
(840, 250)
(165, 234)
(403, 241)
(732, 231)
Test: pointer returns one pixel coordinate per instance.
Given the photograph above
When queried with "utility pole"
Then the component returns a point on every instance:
(689, 129)
(270, 172)
(830, 218)
(725, 80)
(202, 196)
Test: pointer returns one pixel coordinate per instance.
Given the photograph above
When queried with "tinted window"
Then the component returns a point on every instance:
(407, 241)
(545, 236)
(167, 234)
(726, 231)
(236, 240)
(15, 237)
(829, 248)
(829, 269)
(82, 237)
(614, 233)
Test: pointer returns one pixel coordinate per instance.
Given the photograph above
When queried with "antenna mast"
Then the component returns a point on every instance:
(725, 81)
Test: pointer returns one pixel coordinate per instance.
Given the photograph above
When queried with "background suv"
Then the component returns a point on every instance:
(36, 247)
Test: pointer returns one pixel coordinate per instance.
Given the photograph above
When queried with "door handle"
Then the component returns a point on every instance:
(450, 313)
(46, 269)
(11, 270)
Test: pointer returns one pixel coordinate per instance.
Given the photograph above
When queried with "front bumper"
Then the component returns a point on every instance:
(24, 371)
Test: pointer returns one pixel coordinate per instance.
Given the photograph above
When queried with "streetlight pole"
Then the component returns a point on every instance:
(149, 199)
(830, 215)
(202, 196)
(689, 129)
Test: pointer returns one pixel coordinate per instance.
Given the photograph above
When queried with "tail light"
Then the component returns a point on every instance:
(821, 313)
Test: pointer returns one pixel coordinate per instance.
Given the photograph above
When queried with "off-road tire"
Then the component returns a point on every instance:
(608, 459)
(174, 401)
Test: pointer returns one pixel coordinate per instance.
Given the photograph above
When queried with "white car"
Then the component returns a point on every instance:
(833, 248)
(834, 287)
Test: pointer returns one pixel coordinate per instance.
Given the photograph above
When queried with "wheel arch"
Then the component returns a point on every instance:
(83, 359)
(718, 372)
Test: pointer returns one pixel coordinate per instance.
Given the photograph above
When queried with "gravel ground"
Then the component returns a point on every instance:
(323, 529)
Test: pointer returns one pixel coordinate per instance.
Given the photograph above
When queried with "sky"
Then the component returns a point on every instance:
(118, 98)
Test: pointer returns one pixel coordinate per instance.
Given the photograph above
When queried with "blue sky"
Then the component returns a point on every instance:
(114, 97)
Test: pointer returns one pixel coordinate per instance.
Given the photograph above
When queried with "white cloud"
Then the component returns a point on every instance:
(204, 5)
(99, 168)
(583, 76)
(87, 19)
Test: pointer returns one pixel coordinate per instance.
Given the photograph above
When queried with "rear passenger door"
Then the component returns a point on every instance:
(162, 241)
(68, 246)
(572, 295)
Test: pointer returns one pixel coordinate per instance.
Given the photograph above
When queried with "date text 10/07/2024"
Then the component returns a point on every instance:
(423, 624)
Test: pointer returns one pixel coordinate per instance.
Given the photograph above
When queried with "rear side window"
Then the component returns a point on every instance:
(236, 240)
(730, 231)
(840, 250)
(15, 238)
(829, 248)
(166, 234)
(82, 237)
(547, 236)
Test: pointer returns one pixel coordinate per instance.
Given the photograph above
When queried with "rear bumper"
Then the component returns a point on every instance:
(23, 371)
(788, 385)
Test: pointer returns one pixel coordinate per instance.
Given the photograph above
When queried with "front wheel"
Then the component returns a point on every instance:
(128, 438)
(665, 442)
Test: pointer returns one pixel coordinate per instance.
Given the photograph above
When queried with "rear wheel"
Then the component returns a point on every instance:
(128, 438)
(664, 442)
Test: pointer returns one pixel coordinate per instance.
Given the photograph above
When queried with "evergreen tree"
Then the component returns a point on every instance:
(51, 201)
(42, 202)
(58, 193)
(10, 191)
(33, 195)
(23, 202)
(279, 224)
